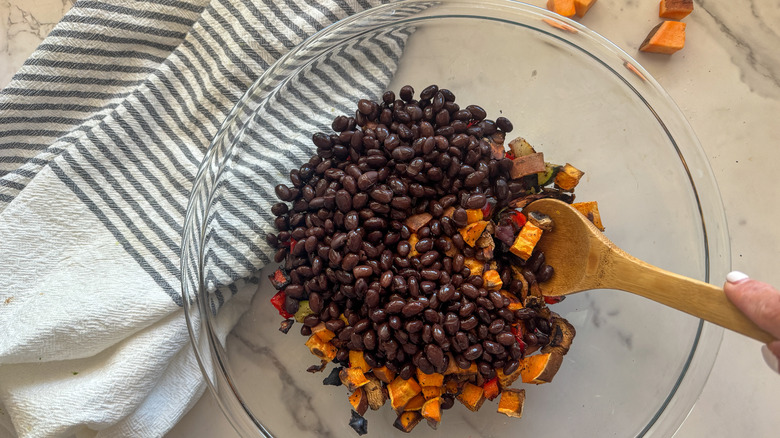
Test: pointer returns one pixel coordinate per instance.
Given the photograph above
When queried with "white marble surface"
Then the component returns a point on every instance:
(726, 82)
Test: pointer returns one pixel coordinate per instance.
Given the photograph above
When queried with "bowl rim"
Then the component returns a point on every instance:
(702, 354)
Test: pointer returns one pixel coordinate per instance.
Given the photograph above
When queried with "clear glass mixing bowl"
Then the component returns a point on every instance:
(636, 368)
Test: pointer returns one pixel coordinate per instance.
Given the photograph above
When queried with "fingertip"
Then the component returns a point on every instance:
(770, 353)
(735, 277)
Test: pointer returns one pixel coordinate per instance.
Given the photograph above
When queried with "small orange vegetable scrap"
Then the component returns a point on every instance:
(471, 232)
(416, 403)
(582, 6)
(540, 368)
(401, 391)
(591, 211)
(527, 165)
(413, 239)
(511, 402)
(353, 378)
(322, 349)
(356, 360)
(474, 215)
(526, 240)
(676, 9)
(475, 266)
(417, 221)
(562, 7)
(407, 420)
(430, 392)
(434, 379)
(668, 37)
(568, 177)
(492, 280)
(431, 411)
(359, 401)
(472, 396)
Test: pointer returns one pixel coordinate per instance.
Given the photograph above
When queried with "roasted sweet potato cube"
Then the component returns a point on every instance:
(582, 6)
(506, 380)
(472, 232)
(353, 378)
(407, 420)
(473, 215)
(384, 374)
(492, 280)
(324, 334)
(667, 38)
(453, 386)
(568, 177)
(472, 396)
(356, 360)
(675, 9)
(540, 368)
(562, 7)
(401, 391)
(434, 379)
(430, 392)
(417, 221)
(526, 240)
(475, 266)
(359, 401)
(431, 411)
(511, 402)
(590, 210)
(527, 165)
(322, 349)
(374, 392)
(416, 403)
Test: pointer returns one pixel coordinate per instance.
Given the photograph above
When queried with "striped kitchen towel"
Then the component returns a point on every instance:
(101, 134)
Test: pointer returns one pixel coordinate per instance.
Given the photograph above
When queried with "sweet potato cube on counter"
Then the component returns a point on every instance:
(526, 240)
(431, 411)
(402, 391)
(540, 368)
(675, 9)
(527, 165)
(562, 7)
(568, 177)
(667, 38)
(472, 231)
(582, 6)
(434, 379)
(417, 221)
(384, 374)
(407, 420)
(353, 378)
(430, 392)
(473, 215)
(472, 396)
(356, 360)
(492, 280)
(322, 349)
(511, 402)
(591, 211)
(359, 401)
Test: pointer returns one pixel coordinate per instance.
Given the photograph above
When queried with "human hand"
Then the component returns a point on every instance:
(760, 302)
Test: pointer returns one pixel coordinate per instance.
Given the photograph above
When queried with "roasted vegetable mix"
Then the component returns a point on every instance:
(410, 262)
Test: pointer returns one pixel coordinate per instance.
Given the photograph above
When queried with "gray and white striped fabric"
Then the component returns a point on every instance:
(101, 134)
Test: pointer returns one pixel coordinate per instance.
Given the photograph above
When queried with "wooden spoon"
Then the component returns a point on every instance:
(585, 259)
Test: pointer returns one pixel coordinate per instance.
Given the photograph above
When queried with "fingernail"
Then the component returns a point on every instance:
(736, 277)
(770, 359)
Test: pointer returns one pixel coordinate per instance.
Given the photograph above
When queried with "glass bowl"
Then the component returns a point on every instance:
(636, 367)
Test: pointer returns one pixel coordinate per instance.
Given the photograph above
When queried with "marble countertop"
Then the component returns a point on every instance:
(727, 83)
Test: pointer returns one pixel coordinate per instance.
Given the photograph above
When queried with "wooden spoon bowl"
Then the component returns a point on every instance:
(584, 259)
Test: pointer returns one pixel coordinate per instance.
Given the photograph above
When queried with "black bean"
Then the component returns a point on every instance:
(473, 352)
(406, 93)
(504, 124)
(476, 201)
(545, 273)
(412, 308)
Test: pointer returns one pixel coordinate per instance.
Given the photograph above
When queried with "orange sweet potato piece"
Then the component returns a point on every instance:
(434, 379)
(526, 240)
(431, 411)
(511, 402)
(353, 378)
(472, 396)
(562, 7)
(473, 215)
(323, 333)
(582, 6)
(527, 165)
(417, 221)
(384, 374)
(676, 9)
(568, 177)
(407, 420)
(413, 239)
(492, 280)
(356, 360)
(359, 401)
(475, 266)
(322, 349)
(471, 232)
(591, 211)
(506, 380)
(416, 403)
(401, 391)
(540, 368)
(452, 386)
(430, 392)
(668, 37)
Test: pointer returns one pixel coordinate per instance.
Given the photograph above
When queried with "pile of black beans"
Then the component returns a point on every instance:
(343, 241)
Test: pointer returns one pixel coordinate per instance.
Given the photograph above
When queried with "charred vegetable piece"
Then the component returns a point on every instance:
(519, 147)
(472, 396)
(541, 220)
(359, 401)
(591, 211)
(407, 420)
(568, 177)
(540, 368)
(511, 402)
(333, 378)
(279, 279)
(526, 241)
(561, 336)
(527, 165)
(374, 392)
(286, 325)
(317, 368)
(548, 174)
(358, 423)
(353, 378)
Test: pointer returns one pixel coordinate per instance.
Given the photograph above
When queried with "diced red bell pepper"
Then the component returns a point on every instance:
(518, 336)
(553, 300)
(292, 244)
(279, 279)
(519, 218)
(488, 208)
(278, 302)
(490, 388)
(509, 155)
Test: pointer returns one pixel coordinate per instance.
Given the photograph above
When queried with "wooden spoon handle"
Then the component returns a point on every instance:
(691, 296)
